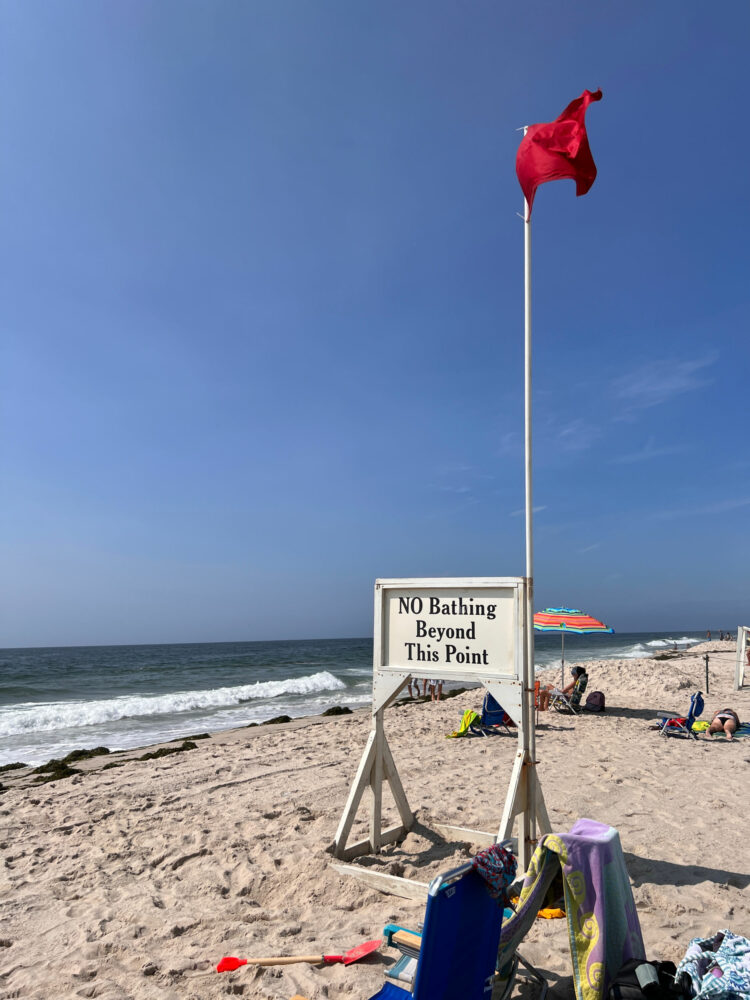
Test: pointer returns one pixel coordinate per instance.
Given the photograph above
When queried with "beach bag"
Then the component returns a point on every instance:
(596, 702)
(639, 979)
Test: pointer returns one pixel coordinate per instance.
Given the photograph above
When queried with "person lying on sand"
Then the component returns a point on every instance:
(725, 719)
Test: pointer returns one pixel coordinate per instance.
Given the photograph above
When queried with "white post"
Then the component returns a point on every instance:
(529, 721)
(562, 661)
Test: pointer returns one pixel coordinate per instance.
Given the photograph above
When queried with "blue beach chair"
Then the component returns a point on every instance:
(671, 723)
(458, 948)
(468, 935)
(493, 718)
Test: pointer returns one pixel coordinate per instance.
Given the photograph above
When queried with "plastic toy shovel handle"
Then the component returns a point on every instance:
(230, 964)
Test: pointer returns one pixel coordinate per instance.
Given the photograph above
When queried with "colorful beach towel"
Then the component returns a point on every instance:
(497, 866)
(603, 927)
(468, 719)
(742, 731)
(718, 967)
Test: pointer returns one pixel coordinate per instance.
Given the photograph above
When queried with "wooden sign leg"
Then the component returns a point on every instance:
(361, 781)
(377, 764)
(523, 789)
(407, 816)
(376, 784)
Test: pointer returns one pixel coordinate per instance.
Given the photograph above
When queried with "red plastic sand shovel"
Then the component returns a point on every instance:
(229, 964)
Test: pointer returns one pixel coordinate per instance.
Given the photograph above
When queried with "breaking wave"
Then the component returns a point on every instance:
(50, 716)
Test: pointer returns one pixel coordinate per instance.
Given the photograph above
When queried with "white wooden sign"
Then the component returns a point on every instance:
(450, 628)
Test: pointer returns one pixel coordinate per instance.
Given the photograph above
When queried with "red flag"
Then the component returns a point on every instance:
(558, 149)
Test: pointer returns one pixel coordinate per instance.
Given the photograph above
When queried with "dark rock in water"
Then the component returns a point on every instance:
(200, 736)
(58, 768)
(167, 751)
(75, 755)
(421, 699)
(54, 770)
(12, 767)
(278, 719)
(454, 692)
(337, 710)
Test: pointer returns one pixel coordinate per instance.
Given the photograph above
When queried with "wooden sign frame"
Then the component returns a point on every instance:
(490, 649)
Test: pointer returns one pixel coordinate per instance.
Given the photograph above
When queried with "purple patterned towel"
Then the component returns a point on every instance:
(603, 925)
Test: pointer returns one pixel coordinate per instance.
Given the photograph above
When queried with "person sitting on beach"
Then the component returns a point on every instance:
(726, 720)
(546, 693)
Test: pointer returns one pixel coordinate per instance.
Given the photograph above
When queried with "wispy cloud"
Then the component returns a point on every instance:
(454, 469)
(454, 489)
(462, 502)
(510, 443)
(460, 479)
(534, 510)
(659, 381)
(577, 435)
(648, 452)
(720, 507)
(590, 548)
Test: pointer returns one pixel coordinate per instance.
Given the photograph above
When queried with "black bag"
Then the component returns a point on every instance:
(653, 980)
(596, 702)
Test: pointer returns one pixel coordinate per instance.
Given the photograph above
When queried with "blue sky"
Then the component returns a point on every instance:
(261, 307)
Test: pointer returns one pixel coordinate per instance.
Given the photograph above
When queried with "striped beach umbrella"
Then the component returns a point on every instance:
(564, 620)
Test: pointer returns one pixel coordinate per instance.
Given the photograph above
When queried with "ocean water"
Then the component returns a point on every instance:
(55, 700)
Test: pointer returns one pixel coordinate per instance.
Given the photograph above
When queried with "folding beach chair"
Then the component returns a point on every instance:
(517, 924)
(506, 959)
(492, 719)
(672, 724)
(457, 950)
(562, 702)
(602, 924)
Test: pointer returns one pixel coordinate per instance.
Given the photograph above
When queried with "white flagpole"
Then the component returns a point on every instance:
(529, 680)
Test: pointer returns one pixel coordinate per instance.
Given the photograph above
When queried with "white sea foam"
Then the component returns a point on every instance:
(46, 717)
(643, 650)
(684, 642)
(638, 651)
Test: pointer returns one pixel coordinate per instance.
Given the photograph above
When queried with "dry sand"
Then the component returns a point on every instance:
(133, 882)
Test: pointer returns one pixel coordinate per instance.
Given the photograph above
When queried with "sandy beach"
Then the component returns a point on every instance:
(133, 881)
